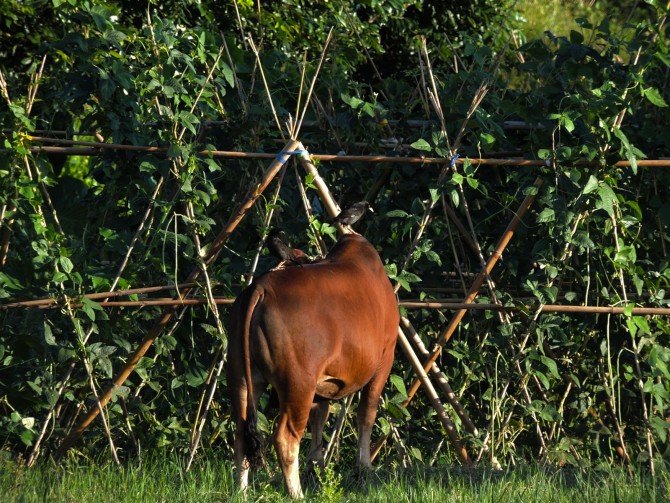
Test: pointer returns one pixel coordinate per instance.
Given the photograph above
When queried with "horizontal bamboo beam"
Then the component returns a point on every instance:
(546, 308)
(49, 302)
(413, 123)
(223, 154)
(407, 304)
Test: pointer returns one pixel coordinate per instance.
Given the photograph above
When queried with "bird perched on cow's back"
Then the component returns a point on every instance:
(353, 213)
(282, 251)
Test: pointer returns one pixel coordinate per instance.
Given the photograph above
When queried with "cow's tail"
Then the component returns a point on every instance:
(253, 439)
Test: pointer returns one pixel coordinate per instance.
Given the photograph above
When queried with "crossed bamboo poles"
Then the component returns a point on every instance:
(215, 249)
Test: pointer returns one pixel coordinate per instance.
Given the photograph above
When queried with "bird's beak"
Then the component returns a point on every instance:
(370, 208)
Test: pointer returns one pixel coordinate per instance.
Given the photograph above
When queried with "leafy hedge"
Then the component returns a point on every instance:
(569, 388)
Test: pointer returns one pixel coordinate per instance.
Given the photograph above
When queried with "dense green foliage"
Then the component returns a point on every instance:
(558, 387)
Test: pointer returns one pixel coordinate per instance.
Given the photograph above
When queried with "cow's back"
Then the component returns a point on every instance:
(333, 320)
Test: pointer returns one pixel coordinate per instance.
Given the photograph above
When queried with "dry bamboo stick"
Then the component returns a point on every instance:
(122, 266)
(337, 428)
(412, 123)
(198, 426)
(266, 225)
(439, 378)
(621, 450)
(226, 154)
(434, 400)
(545, 308)
(254, 49)
(89, 371)
(320, 243)
(282, 173)
(6, 226)
(51, 302)
(465, 235)
(326, 197)
(33, 86)
(441, 305)
(214, 251)
(636, 352)
(474, 289)
(296, 130)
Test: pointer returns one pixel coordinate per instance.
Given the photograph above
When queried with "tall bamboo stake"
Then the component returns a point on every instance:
(440, 379)
(162, 321)
(213, 377)
(434, 400)
(636, 357)
(474, 289)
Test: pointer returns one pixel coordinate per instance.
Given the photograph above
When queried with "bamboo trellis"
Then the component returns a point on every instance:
(421, 366)
(425, 366)
(292, 146)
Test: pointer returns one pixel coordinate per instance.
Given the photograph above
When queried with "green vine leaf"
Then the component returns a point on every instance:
(421, 144)
(654, 96)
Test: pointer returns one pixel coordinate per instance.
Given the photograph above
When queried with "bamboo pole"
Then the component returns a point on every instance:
(95, 148)
(440, 378)
(53, 302)
(407, 304)
(214, 251)
(474, 289)
(213, 377)
(326, 197)
(434, 400)
(545, 308)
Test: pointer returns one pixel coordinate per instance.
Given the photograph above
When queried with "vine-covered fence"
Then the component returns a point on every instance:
(530, 262)
(422, 361)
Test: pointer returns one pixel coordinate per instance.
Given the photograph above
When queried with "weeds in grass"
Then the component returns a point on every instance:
(330, 482)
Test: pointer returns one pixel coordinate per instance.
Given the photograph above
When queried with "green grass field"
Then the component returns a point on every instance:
(210, 479)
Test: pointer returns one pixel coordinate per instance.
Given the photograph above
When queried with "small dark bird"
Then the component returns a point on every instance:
(282, 251)
(353, 213)
(276, 246)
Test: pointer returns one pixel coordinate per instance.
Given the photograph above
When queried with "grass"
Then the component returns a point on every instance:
(211, 480)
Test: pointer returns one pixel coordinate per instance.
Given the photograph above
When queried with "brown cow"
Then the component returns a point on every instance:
(314, 333)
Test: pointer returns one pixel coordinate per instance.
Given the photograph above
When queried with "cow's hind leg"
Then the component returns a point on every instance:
(241, 447)
(317, 420)
(293, 415)
(367, 412)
